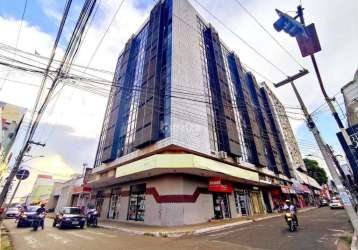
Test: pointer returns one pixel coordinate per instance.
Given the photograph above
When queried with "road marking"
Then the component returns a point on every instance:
(101, 234)
(223, 233)
(81, 236)
(57, 237)
(336, 230)
(31, 241)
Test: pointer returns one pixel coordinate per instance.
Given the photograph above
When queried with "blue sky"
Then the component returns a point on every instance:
(35, 14)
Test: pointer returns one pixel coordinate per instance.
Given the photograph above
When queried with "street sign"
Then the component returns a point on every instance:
(22, 174)
(345, 198)
(309, 44)
(351, 151)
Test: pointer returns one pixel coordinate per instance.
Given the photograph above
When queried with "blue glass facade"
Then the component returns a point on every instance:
(275, 132)
(261, 122)
(140, 98)
(248, 135)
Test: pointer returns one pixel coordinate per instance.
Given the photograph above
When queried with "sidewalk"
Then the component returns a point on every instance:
(196, 229)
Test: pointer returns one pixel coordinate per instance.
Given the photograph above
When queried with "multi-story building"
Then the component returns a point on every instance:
(189, 135)
(350, 95)
(291, 146)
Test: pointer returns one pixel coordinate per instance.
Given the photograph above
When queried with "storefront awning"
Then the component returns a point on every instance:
(305, 179)
(184, 163)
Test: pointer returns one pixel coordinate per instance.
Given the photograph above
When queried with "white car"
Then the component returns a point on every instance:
(12, 212)
(336, 203)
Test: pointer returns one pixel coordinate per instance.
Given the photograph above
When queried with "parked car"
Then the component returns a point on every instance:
(11, 213)
(70, 217)
(336, 203)
(27, 217)
(323, 203)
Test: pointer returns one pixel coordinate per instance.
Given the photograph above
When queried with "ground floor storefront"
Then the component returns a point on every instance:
(170, 200)
(180, 189)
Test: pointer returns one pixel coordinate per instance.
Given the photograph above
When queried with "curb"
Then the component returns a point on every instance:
(202, 230)
(354, 241)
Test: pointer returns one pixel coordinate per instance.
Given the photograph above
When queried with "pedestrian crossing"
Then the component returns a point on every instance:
(64, 237)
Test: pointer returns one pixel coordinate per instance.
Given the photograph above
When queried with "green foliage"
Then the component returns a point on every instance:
(315, 171)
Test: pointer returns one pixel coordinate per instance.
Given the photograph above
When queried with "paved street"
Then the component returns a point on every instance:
(320, 229)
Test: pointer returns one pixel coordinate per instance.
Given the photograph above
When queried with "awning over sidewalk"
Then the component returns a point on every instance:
(308, 180)
(184, 163)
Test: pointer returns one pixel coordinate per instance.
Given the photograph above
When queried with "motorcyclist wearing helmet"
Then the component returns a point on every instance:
(289, 206)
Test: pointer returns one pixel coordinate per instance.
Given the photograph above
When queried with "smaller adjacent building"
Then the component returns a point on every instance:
(11, 118)
(350, 95)
(41, 190)
(349, 137)
(72, 193)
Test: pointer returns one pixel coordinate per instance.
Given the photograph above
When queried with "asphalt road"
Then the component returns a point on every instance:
(319, 229)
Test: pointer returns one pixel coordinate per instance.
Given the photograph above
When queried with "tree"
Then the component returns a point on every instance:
(315, 171)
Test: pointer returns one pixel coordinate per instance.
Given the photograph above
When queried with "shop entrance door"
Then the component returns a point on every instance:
(221, 206)
(267, 201)
(136, 206)
(256, 203)
(243, 202)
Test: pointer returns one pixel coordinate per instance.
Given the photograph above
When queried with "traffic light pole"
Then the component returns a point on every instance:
(321, 85)
(329, 162)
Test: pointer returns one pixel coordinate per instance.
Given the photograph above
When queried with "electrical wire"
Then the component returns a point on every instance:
(104, 35)
(269, 33)
(17, 41)
(241, 39)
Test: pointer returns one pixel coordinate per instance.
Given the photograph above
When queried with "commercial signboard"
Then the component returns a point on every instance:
(216, 184)
(351, 150)
(11, 118)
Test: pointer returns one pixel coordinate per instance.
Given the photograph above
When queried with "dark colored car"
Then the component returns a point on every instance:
(70, 217)
(27, 217)
(323, 203)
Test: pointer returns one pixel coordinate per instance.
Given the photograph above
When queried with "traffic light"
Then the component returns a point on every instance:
(288, 24)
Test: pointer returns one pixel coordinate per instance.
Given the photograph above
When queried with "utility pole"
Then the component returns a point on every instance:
(309, 44)
(318, 74)
(71, 51)
(324, 150)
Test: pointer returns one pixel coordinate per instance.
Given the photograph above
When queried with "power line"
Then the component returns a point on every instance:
(109, 84)
(269, 33)
(104, 35)
(241, 39)
(17, 41)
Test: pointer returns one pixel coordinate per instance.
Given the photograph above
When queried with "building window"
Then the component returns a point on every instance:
(136, 206)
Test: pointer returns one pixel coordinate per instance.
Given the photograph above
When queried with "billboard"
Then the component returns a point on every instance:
(11, 118)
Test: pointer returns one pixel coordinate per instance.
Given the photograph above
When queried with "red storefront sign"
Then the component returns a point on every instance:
(81, 189)
(217, 185)
(275, 192)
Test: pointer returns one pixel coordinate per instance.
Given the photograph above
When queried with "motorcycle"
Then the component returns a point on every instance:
(39, 221)
(291, 221)
(92, 219)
